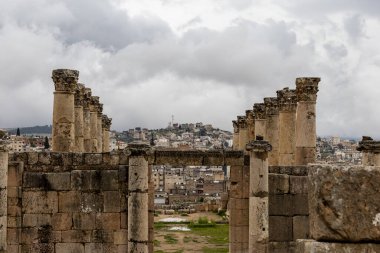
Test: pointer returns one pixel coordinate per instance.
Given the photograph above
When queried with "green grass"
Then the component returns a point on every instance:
(169, 238)
(156, 243)
(214, 250)
(215, 235)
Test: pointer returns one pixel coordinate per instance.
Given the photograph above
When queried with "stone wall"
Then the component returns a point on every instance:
(67, 202)
(288, 207)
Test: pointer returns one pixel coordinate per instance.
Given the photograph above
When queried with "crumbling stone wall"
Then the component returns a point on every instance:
(288, 207)
(67, 202)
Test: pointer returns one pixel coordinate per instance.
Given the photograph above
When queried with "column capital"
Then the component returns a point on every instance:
(139, 148)
(65, 79)
(106, 122)
(258, 146)
(242, 122)
(235, 126)
(87, 98)
(250, 117)
(100, 109)
(367, 144)
(307, 88)
(79, 95)
(271, 106)
(94, 103)
(287, 100)
(259, 111)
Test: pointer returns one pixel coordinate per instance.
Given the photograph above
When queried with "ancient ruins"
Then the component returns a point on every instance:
(83, 198)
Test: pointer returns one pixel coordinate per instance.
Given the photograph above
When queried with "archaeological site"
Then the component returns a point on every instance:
(83, 198)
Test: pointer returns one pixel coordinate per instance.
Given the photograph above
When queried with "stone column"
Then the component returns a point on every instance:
(271, 108)
(151, 211)
(258, 196)
(94, 124)
(306, 88)
(87, 120)
(287, 105)
(99, 134)
(138, 185)
(3, 196)
(250, 118)
(106, 126)
(370, 150)
(63, 135)
(243, 132)
(260, 120)
(235, 140)
(79, 122)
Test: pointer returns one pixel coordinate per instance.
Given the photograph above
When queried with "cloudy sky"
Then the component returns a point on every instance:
(199, 60)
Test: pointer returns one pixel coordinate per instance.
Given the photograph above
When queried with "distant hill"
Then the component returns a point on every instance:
(32, 130)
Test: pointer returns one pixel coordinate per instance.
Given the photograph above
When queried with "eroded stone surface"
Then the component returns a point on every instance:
(344, 203)
(310, 246)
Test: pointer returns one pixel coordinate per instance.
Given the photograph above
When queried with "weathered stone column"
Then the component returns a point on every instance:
(79, 122)
(138, 203)
(260, 120)
(151, 211)
(243, 132)
(87, 120)
(306, 88)
(94, 124)
(370, 150)
(106, 126)
(63, 135)
(287, 105)
(3, 196)
(235, 140)
(250, 118)
(99, 134)
(258, 200)
(271, 108)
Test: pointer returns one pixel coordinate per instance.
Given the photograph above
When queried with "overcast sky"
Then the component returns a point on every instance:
(199, 60)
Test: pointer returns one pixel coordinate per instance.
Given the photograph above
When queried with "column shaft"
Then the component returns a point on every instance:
(99, 134)
(3, 197)
(307, 89)
(250, 118)
(243, 132)
(138, 200)
(151, 211)
(271, 107)
(235, 140)
(260, 120)
(79, 121)
(94, 124)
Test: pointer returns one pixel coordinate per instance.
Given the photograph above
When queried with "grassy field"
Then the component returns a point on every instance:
(212, 238)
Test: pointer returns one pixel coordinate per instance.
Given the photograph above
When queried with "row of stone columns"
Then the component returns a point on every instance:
(78, 122)
(287, 122)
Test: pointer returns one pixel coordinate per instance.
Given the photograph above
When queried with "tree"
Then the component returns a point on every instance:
(2, 134)
(46, 143)
(18, 132)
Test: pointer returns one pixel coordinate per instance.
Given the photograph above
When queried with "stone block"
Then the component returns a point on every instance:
(344, 203)
(36, 220)
(76, 236)
(69, 202)
(91, 202)
(298, 185)
(14, 211)
(300, 204)
(47, 181)
(85, 180)
(281, 247)
(310, 246)
(37, 248)
(61, 221)
(13, 201)
(107, 221)
(121, 236)
(78, 159)
(111, 158)
(280, 229)
(300, 227)
(14, 192)
(111, 201)
(42, 234)
(93, 159)
(14, 221)
(281, 205)
(93, 248)
(109, 180)
(84, 221)
(44, 158)
(278, 183)
(14, 236)
(102, 236)
(15, 171)
(32, 158)
(124, 220)
(69, 248)
(40, 202)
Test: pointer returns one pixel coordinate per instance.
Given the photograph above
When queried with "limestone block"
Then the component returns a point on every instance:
(281, 205)
(39, 202)
(138, 171)
(69, 248)
(61, 221)
(69, 202)
(14, 192)
(61, 159)
(109, 180)
(13, 236)
(258, 220)
(36, 248)
(93, 159)
(107, 221)
(281, 247)
(138, 211)
(14, 222)
(111, 201)
(123, 248)
(15, 171)
(111, 158)
(305, 155)
(91, 202)
(43, 234)
(298, 184)
(78, 158)
(236, 173)
(93, 248)
(300, 204)
(32, 157)
(310, 246)
(102, 236)
(44, 158)
(47, 181)
(124, 220)
(121, 237)
(84, 221)
(86, 180)
(138, 247)
(344, 203)
(36, 220)
(300, 227)
(278, 183)
(280, 228)
(76, 236)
